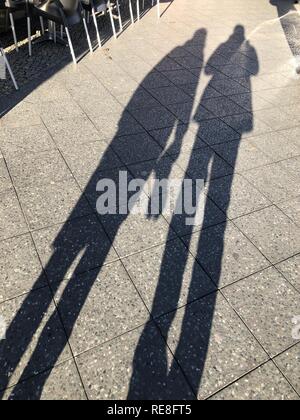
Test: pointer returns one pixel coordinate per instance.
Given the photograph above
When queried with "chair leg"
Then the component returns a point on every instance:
(54, 33)
(29, 36)
(143, 4)
(71, 45)
(87, 35)
(112, 21)
(96, 26)
(42, 25)
(13, 28)
(138, 9)
(119, 16)
(2, 53)
(131, 12)
(158, 9)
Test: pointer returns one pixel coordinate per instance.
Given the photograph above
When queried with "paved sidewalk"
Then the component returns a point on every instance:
(139, 307)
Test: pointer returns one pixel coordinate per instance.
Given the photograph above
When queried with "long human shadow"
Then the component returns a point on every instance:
(81, 242)
(290, 22)
(194, 335)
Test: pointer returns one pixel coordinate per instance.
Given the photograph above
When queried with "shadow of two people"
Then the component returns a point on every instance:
(90, 239)
(192, 342)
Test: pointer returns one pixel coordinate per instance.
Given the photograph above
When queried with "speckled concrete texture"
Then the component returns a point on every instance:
(146, 306)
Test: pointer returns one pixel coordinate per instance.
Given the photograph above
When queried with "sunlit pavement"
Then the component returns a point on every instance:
(139, 307)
